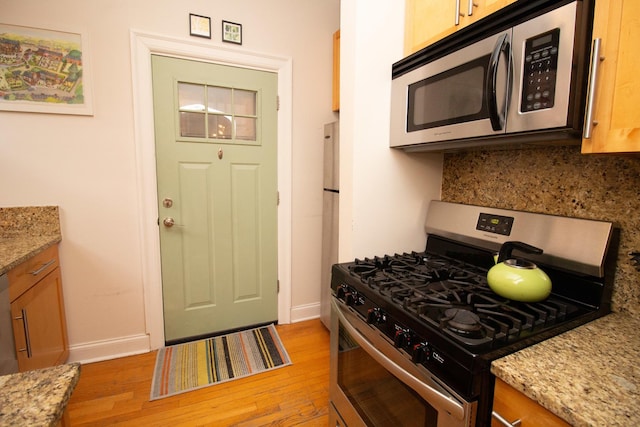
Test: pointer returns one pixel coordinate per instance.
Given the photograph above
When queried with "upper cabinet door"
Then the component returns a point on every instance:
(427, 21)
(615, 124)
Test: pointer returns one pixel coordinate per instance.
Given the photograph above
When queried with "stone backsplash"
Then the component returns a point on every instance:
(558, 181)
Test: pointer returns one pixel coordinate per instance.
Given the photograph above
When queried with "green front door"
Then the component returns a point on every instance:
(215, 131)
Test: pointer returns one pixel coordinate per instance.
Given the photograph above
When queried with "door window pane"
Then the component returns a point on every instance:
(192, 125)
(220, 127)
(246, 128)
(190, 97)
(219, 99)
(245, 102)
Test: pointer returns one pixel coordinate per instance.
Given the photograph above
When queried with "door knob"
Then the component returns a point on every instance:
(170, 222)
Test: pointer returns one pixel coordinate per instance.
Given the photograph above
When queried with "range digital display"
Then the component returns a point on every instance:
(496, 224)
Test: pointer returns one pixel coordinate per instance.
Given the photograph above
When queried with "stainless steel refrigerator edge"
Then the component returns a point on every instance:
(330, 202)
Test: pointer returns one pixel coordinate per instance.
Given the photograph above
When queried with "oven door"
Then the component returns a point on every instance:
(461, 95)
(374, 384)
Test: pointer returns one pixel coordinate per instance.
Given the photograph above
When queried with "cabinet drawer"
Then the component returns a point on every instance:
(27, 274)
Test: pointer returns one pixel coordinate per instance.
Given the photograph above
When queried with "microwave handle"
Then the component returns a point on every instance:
(497, 118)
(429, 394)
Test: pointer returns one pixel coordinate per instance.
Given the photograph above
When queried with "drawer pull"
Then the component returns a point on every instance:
(25, 325)
(503, 421)
(43, 267)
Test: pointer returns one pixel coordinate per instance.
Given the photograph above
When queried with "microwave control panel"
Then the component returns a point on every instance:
(540, 71)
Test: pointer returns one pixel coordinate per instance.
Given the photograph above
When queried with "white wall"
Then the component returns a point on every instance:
(87, 165)
(384, 193)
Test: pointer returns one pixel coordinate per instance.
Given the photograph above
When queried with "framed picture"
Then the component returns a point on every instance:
(44, 71)
(200, 26)
(231, 32)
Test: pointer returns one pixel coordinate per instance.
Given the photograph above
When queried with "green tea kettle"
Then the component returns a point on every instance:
(518, 279)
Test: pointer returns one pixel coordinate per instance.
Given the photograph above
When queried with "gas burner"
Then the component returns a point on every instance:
(463, 322)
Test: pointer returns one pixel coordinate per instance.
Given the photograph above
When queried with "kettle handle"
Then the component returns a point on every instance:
(508, 247)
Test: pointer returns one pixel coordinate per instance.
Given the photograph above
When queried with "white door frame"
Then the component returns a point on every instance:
(143, 45)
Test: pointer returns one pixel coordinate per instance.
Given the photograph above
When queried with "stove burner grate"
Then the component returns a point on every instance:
(454, 297)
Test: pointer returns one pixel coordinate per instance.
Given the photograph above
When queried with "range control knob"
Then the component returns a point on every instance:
(351, 298)
(348, 295)
(421, 352)
(376, 316)
(342, 292)
(402, 338)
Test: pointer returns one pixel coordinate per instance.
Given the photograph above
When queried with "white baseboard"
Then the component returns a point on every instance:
(305, 312)
(97, 351)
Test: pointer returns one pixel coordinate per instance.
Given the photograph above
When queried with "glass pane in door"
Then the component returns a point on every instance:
(192, 125)
(245, 102)
(246, 128)
(220, 127)
(219, 99)
(190, 97)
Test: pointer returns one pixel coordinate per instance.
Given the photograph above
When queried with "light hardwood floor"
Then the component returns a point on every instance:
(116, 392)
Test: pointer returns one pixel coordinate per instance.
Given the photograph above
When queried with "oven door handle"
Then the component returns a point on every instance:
(429, 394)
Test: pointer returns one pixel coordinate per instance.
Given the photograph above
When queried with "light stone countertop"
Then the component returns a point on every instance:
(588, 376)
(15, 250)
(25, 232)
(37, 398)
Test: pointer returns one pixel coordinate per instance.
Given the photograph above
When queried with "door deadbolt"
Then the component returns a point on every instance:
(220, 153)
(167, 202)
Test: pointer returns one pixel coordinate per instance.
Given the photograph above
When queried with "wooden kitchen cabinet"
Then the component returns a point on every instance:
(513, 405)
(37, 310)
(427, 21)
(617, 87)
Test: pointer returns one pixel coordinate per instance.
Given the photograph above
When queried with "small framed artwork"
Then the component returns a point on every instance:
(200, 26)
(231, 32)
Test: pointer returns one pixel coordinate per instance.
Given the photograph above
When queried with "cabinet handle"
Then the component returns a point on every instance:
(43, 267)
(502, 420)
(457, 21)
(25, 326)
(471, 6)
(591, 91)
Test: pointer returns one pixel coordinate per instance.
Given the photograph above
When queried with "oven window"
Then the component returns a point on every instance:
(378, 396)
(455, 96)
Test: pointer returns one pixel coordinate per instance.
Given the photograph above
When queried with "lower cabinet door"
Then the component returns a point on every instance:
(39, 325)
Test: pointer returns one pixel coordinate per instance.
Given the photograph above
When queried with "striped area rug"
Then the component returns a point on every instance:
(189, 366)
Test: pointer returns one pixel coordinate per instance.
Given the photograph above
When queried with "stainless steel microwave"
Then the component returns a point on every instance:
(517, 76)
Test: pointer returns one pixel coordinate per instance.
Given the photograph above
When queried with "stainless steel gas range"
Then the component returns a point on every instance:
(413, 334)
